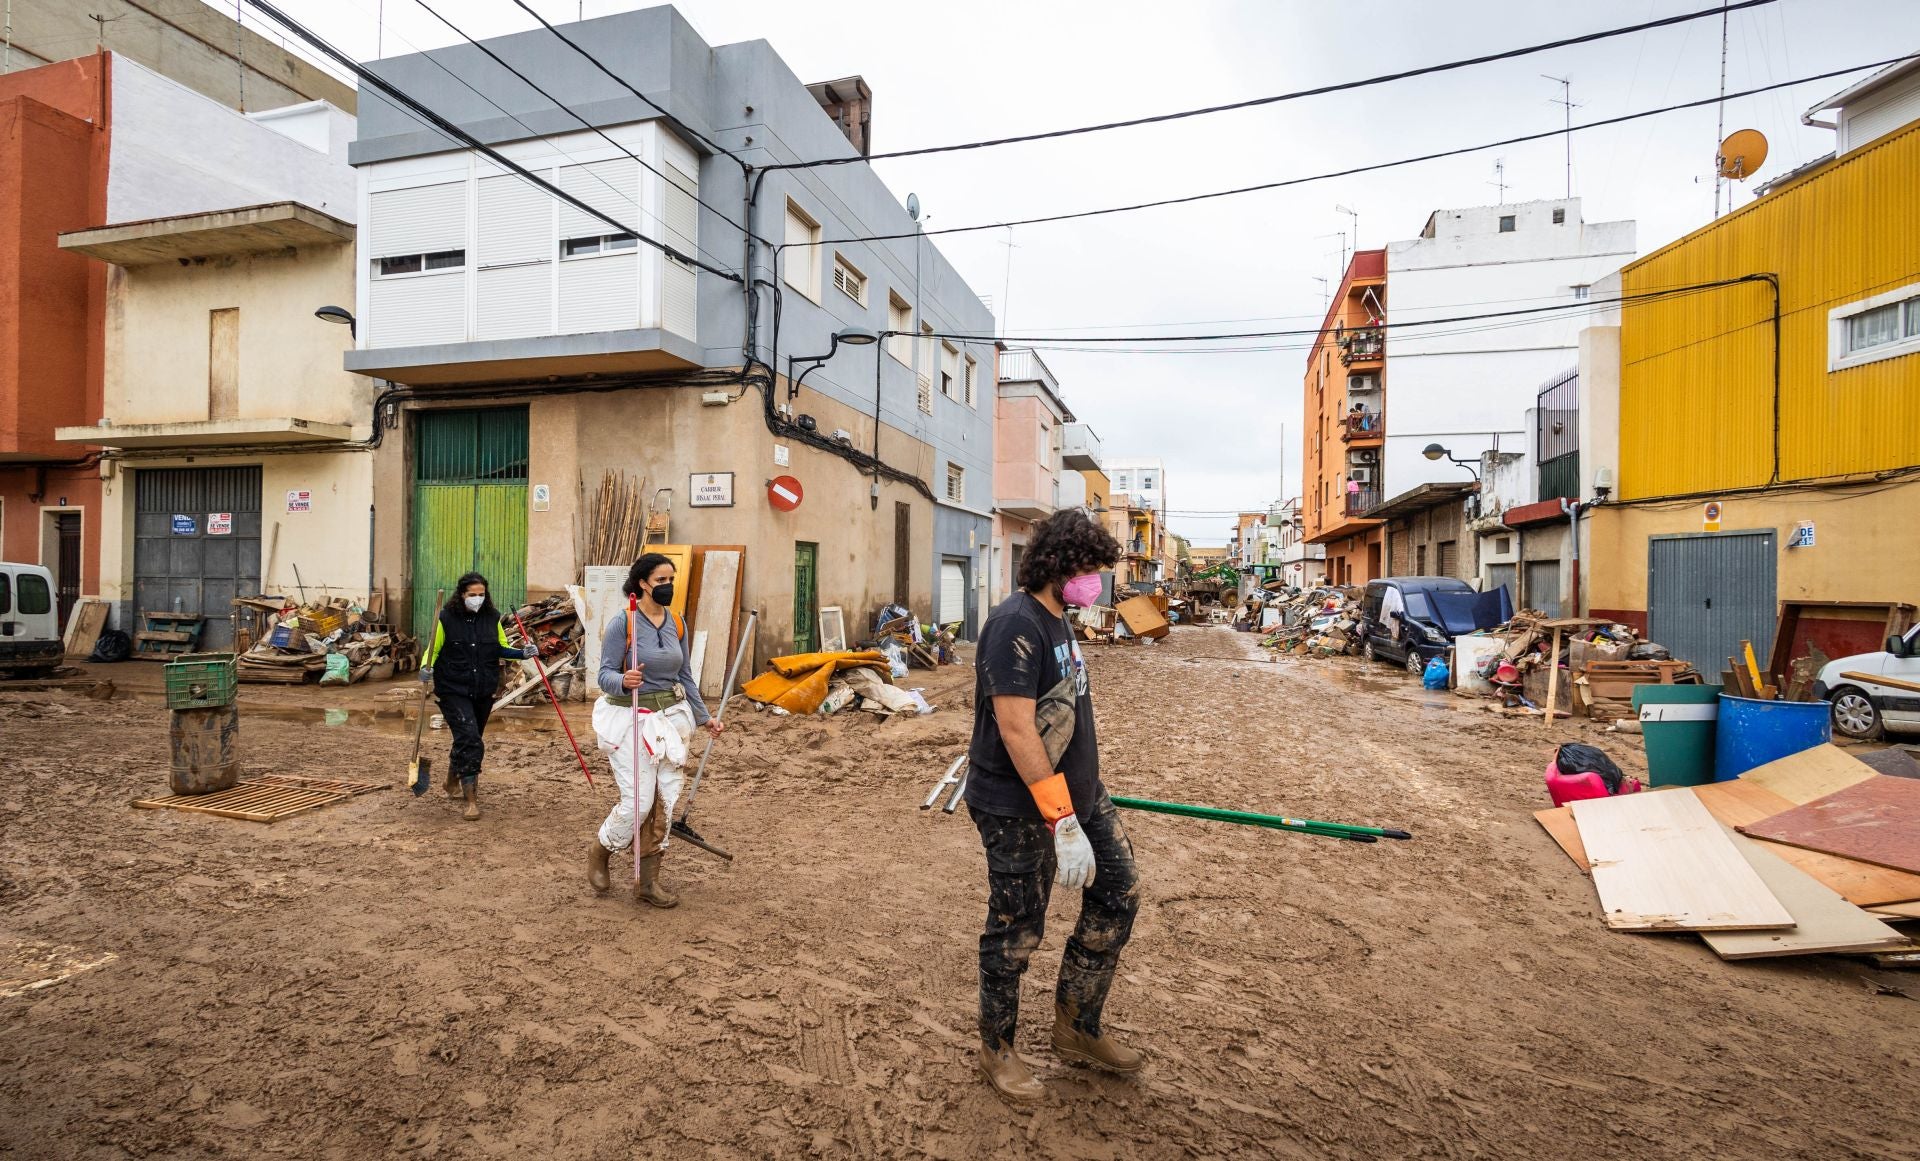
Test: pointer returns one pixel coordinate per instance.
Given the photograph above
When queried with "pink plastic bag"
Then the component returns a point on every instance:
(1565, 788)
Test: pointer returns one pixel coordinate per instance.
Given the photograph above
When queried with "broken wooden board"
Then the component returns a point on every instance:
(1559, 825)
(1823, 922)
(268, 798)
(1876, 821)
(1810, 774)
(1737, 803)
(714, 605)
(1142, 617)
(84, 625)
(1895, 911)
(1661, 863)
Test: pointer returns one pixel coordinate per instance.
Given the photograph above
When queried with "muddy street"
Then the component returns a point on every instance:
(379, 978)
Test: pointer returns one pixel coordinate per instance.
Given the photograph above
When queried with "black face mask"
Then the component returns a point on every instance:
(662, 594)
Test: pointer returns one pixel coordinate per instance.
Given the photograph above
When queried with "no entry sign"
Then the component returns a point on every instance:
(784, 493)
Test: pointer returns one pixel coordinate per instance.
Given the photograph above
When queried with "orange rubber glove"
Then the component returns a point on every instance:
(1073, 854)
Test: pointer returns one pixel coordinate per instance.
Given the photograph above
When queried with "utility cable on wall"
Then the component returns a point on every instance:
(1320, 90)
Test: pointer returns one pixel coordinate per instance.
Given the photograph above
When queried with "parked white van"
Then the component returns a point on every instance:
(29, 627)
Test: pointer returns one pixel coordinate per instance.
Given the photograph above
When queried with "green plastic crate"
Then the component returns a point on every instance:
(201, 681)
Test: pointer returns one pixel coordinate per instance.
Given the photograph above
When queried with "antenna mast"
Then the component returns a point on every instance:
(1566, 100)
(1499, 181)
(1720, 116)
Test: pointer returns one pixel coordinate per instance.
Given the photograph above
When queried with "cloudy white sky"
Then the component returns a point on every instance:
(1227, 424)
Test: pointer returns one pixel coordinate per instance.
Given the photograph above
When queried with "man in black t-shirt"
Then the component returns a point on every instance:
(1034, 791)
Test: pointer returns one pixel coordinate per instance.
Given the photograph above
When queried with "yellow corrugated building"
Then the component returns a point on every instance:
(1769, 408)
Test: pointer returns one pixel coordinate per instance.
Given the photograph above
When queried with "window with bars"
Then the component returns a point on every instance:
(848, 280)
(956, 483)
(925, 386)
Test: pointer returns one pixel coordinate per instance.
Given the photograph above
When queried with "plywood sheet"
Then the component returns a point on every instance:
(1810, 774)
(84, 625)
(1661, 863)
(1559, 825)
(1822, 921)
(1876, 821)
(716, 608)
(1895, 911)
(1738, 803)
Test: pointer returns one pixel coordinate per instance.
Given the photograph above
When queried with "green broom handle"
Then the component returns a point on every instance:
(1274, 821)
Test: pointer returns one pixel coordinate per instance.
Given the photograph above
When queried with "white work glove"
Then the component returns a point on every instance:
(1072, 853)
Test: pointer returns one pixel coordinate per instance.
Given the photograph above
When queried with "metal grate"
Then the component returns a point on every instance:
(268, 798)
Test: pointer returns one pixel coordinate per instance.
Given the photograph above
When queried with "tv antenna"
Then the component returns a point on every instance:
(1499, 182)
(1566, 101)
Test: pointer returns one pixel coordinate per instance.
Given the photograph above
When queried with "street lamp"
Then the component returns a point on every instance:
(1434, 451)
(851, 336)
(339, 314)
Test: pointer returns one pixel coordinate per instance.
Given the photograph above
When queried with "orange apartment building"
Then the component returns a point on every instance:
(1345, 424)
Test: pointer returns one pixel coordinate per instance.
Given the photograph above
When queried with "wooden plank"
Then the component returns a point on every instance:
(1737, 803)
(1559, 825)
(1810, 774)
(1553, 680)
(84, 625)
(1823, 922)
(1896, 911)
(1876, 821)
(1883, 679)
(1661, 863)
(719, 599)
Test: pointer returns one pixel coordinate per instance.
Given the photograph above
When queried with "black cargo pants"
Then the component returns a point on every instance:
(1020, 869)
(466, 716)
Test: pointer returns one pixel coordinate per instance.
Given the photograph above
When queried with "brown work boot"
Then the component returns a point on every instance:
(597, 857)
(471, 787)
(647, 887)
(1009, 1075)
(452, 785)
(1102, 1051)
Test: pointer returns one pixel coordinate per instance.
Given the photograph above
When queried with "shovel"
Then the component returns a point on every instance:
(418, 770)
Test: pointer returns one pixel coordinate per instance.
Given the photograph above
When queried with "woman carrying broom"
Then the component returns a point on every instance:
(650, 708)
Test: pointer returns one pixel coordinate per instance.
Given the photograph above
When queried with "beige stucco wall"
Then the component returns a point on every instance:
(667, 434)
(1865, 547)
(328, 543)
(290, 361)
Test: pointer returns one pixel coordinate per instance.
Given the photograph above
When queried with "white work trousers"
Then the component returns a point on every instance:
(613, 724)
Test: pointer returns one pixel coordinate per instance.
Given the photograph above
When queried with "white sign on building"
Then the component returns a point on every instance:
(712, 490)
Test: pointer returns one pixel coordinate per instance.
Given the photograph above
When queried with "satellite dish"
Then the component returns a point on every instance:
(1742, 154)
(913, 203)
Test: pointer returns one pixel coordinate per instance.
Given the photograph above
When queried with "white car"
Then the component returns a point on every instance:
(29, 628)
(1869, 702)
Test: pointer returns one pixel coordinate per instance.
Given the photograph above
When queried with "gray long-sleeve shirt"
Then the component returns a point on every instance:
(660, 651)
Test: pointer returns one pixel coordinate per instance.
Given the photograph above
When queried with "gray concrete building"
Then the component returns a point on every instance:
(532, 345)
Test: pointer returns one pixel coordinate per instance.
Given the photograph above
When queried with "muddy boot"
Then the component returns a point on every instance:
(1101, 1051)
(470, 787)
(452, 785)
(597, 857)
(647, 887)
(1009, 1075)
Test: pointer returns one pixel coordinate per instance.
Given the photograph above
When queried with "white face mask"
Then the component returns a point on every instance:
(474, 604)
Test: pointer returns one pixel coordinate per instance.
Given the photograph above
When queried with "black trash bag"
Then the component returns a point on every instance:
(1575, 758)
(113, 645)
(1648, 651)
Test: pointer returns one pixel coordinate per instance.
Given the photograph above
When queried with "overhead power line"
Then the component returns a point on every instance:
(1320, 90)
(1375, 167)
(1575, 306)
(448, 128)
(671, 120)
(563, 107)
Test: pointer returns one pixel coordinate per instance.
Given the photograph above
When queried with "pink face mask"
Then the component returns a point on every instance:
(1082, 591)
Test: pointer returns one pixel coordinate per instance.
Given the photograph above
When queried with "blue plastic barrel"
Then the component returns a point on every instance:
(1754, 732)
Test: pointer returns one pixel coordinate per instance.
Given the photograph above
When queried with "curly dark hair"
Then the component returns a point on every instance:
(457, 602)
(641, 570)
(1065, 545)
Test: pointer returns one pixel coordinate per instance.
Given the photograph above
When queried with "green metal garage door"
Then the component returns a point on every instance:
(469, 504)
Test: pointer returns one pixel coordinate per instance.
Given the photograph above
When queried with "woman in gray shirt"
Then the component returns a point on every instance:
(645, 662)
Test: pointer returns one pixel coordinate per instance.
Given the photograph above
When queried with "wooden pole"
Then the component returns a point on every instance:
(1553, 678)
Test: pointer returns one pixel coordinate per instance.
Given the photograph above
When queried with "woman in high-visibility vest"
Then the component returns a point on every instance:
(463, 662)
(645, 662)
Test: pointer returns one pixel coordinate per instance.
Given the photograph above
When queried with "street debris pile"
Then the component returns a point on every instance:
(1812, 853)
(336, 642)
(1519, 664)
(1318, 622)
(554, 625)
(906, 642)
(830, 681)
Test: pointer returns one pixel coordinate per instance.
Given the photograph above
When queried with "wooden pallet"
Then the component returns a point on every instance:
(267, 798)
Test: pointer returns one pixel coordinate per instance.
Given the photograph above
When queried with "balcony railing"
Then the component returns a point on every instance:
(1362, 501)
(1366, 345)
(1364, 425)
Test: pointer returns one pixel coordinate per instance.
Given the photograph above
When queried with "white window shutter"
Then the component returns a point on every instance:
(516, 222)
(612, 187)
(419, 220)
(679, 293)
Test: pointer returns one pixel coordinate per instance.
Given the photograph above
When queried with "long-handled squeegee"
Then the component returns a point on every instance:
(682, 826)
(1340, 830)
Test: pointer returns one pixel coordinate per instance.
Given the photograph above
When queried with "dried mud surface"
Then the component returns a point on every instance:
(381, 979)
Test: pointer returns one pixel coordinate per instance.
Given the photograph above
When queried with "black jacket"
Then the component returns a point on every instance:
(466, 652)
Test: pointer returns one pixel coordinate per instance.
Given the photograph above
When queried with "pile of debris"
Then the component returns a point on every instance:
(1318, 622)
(336, 641)
(906, 642)
(553, 624)
(1813, 853)
(826, 683)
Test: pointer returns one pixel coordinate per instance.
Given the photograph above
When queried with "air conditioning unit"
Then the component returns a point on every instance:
(1361, 384)
(1366, 455)
(1360, 475)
